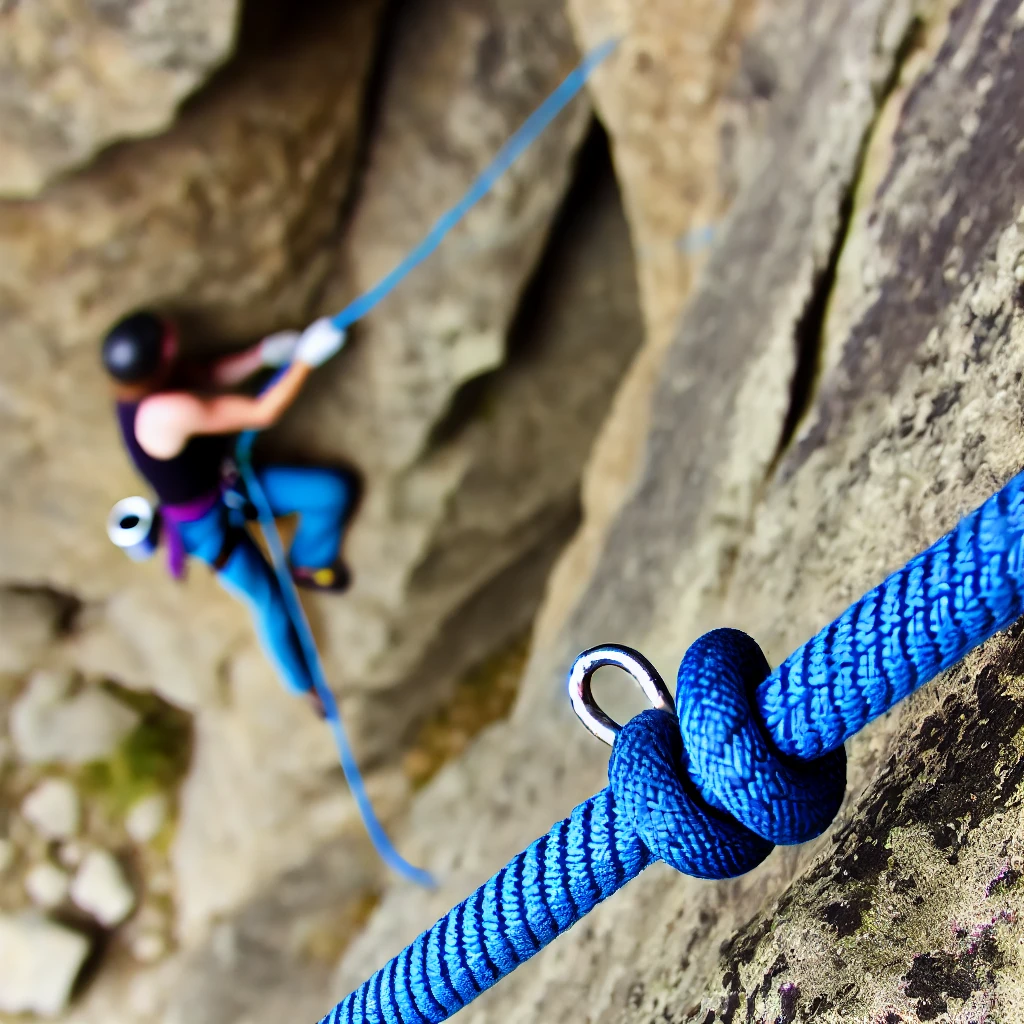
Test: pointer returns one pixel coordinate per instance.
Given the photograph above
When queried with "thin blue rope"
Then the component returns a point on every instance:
(517, 144)
(349, 765)
(521, 140)
(754, 758)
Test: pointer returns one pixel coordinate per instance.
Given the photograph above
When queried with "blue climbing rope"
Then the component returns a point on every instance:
(521, 140)
(349, 765)
(517, 144)
(764, 763)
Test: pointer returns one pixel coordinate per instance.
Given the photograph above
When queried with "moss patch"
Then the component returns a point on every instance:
(153, 758)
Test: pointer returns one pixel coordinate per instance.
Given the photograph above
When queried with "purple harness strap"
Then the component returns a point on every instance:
(186, 512)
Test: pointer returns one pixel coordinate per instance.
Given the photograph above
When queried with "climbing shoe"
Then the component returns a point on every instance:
(334, 578)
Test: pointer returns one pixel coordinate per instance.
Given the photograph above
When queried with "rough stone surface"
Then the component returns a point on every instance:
(101, 889)
(502, 483)
(683, 113)
(910, 906)
(53, 809)
(717, 419)
(76, 76)
(39, 961)
(409, 402)
(49, 727)
(842, 385)
(228, 218)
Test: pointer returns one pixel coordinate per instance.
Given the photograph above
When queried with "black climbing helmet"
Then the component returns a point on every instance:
(133, 348)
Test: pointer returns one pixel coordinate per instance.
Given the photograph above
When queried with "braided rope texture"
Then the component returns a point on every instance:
(755, 758)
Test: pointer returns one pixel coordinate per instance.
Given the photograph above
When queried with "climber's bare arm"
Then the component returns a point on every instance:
(230, 370)
(273, 351)
(165, 422)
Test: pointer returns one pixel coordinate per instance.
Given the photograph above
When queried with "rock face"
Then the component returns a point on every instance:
(842, 387)
(822, 250)
(77, 76)
(582, 295)
(680, 108)
(401, 402)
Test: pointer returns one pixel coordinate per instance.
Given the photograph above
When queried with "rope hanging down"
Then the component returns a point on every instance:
(749, 778)
(519, 142)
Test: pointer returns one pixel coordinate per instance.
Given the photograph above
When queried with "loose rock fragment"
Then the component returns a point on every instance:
(101, 889)
(39, 961)
(53, 809)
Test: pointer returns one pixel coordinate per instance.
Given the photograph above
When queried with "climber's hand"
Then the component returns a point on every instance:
(319, 341)
(279, 349)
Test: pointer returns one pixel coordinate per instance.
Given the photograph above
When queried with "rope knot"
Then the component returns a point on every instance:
(708, 790)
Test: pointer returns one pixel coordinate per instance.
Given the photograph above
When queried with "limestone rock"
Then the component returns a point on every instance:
(53, 809)
(244, 814)
(661, 95)
(402, 402)
(231, 217)
(46, 885)
(78, 76)
(39, 961)
(712, 534)
(910, 908)
(683, 113)
(145, 818)
(48, 728)
(101, 889)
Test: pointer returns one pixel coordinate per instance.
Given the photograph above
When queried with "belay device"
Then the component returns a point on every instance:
(134, 526)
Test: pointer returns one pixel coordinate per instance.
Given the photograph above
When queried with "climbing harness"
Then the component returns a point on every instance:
(748, 758)
(509, 153)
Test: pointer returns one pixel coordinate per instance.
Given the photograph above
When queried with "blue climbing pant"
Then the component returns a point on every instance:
(322, 499)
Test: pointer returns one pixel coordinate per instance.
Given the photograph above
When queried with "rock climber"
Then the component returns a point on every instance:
(178, 433)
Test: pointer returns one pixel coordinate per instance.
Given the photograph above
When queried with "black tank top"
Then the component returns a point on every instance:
(192, 473)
